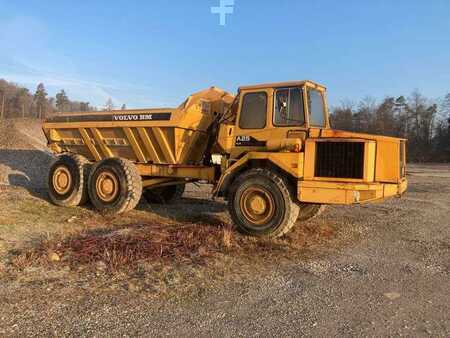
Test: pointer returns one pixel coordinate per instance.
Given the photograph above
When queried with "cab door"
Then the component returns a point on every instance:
(251, 132)
(288, 117)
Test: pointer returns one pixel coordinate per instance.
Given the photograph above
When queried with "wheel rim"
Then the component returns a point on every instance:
(257, 205)
(107, 186)
(62, 180)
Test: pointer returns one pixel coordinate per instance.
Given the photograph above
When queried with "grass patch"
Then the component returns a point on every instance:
(123, 248)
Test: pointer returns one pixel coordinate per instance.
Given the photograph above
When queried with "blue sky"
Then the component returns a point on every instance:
(155, 53)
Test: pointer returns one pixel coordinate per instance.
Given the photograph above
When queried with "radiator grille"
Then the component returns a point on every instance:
(340, 159)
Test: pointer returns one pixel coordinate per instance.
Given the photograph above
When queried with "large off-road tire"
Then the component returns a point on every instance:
(310, 211)
(260, 204)
(114, 186)
(67, 180)
(164, 195)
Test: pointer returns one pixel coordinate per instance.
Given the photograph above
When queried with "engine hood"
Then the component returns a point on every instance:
(332, 133)
(387, 159)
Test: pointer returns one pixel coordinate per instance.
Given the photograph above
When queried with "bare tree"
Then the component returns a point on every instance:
(109, 105)
(342, 117)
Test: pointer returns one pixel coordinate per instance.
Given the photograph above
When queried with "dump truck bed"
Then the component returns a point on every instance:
(159, 136)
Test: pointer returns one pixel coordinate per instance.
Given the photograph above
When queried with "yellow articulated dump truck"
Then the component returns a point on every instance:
(269, 151)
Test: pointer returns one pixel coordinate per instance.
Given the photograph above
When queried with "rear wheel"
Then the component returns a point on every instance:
(67, 180)
(163, 195)
(114, 186)
(310, 211)
(260, 204)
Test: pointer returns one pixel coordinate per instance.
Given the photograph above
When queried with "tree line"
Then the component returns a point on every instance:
(17, 101)
(424, 122)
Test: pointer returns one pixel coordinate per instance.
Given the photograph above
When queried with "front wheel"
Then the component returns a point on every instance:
(261, 205)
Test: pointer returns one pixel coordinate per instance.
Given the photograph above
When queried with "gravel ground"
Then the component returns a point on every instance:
(392, 279)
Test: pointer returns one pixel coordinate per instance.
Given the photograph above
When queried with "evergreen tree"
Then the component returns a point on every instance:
(40, 97)
(402, 116)
(62, 101)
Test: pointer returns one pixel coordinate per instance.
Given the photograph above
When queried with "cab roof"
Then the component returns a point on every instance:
(282, 84)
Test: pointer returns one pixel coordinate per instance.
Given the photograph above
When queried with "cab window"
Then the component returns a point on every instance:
(253, 111)
(288, 109)
(316, 108)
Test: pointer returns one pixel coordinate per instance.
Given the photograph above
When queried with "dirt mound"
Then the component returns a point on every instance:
(24, 159)
(21, 134)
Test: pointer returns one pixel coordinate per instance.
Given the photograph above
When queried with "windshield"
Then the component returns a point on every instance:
(316, 108)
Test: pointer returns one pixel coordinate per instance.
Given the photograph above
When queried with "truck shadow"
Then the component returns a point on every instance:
(190, 210)
(25, 168)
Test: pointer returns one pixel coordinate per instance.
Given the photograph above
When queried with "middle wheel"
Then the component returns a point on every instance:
(114, 186)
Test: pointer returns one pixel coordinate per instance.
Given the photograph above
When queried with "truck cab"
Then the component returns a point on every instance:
(277, 111)
(283, 129)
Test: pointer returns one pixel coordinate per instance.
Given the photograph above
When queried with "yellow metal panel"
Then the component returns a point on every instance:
(89, 144)
(54, 135)
(388, 161)
(159, 182)
(176, 171)
(347, 193)
(164, 145)
(289, 162)
(325, 196)
(341, 185)
(184, 140)
(99, 140)
(149, 145)
(342, 134)
(225, 138)
(135, 145)
(369, 161)
(310, 159)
